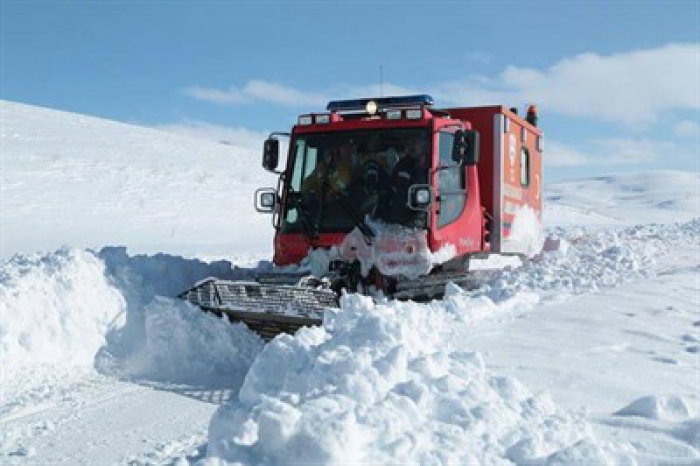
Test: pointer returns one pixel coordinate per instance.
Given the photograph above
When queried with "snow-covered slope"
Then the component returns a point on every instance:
(659, 196)
(81, 181)
(588, 355)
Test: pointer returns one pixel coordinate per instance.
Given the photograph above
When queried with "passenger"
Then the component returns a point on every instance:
(409, 170)
(412, 167)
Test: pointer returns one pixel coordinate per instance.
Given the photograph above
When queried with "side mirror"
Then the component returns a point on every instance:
(271, 154)
(420, 196)
(466, 147)
(266, 200)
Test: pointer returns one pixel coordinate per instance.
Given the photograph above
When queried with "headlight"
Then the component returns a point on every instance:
(420, 196)
(423, 196)
(323, 119)
(267, 200)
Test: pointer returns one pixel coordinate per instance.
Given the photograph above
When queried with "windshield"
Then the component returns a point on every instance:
(340, 178)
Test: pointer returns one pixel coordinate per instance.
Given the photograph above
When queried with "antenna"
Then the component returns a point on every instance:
(381, 81)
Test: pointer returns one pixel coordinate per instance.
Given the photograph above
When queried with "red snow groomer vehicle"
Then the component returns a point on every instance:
(387, 195)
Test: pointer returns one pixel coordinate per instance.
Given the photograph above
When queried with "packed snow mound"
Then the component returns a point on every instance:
(655, 196)
(116, 312)
(142, 277)
(56, 308)
(377, 384)
(661, 407)
(165, 339)
(582, 259)
(181, 344)
(116, 183)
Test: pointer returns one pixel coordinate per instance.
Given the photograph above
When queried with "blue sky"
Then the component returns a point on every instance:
(617, 82)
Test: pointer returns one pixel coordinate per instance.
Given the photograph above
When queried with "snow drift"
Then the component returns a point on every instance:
(56, 308)
(78, 308)
(165, 339)
(377, 384)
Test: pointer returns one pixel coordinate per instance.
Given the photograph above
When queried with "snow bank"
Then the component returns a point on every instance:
(116, 312)
(179, 343)
(166, 339)
(582, 260)
(56, 308)
(377, 384)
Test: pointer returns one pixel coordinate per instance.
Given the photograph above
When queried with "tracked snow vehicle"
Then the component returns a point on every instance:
(387, 195)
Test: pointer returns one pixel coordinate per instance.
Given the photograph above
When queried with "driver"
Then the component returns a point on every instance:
(335, 168)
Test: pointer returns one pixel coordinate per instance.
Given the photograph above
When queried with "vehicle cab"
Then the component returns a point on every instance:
(368, 164)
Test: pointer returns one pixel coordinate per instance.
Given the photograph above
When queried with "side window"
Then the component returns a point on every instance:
(524, 167)
(450, 180)
(304, 164)
(298, 165)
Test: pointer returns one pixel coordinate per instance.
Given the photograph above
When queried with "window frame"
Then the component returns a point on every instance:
(441, 219)
(525, 168)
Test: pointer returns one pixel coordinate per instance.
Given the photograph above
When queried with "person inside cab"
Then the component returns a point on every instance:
(333, 172)
(411, 169)
(412, 165)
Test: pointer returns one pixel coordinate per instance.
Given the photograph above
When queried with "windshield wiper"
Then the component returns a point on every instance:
(354, 215)
(304, 216)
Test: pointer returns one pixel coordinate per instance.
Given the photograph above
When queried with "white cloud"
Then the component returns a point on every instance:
(614, 151)
(256, 90)
(632, 151)
(558, 154)
(632, 87)
(687, 128)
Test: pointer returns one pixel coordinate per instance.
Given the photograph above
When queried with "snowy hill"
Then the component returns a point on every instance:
(587, 355)
(91, 182)
(659, 196)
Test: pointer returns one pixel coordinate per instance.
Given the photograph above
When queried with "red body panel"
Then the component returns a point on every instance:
(290, 248)
(466, 233)
(503, 135)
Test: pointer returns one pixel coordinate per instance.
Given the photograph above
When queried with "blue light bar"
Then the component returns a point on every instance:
(382, 103)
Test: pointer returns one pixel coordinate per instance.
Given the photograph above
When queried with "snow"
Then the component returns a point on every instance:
(662, 407)
(114, 183)
(587, 354)
(526, 233)
(81, 331)
(55, 308)
(375, 385)
(353, 368)
(639, 198)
